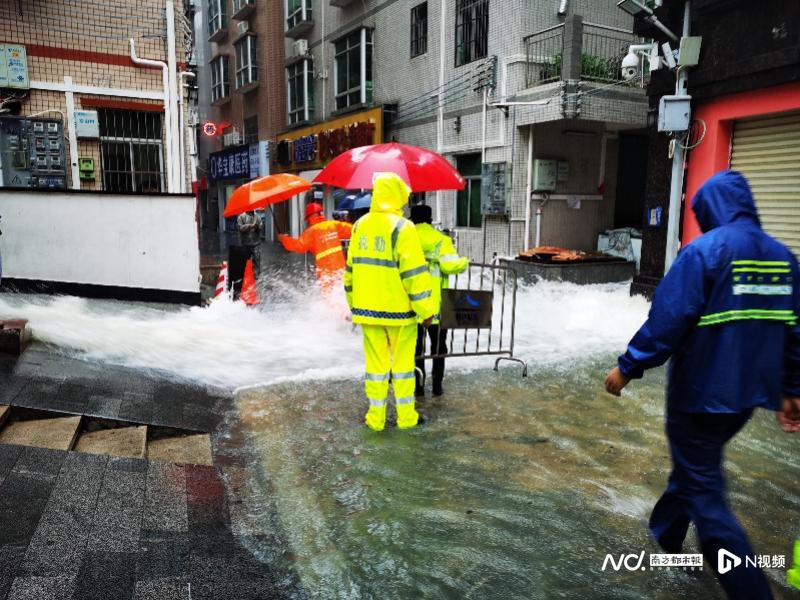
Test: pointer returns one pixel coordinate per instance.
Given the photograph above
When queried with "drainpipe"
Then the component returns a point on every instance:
(178, 175)
(440, 115)
(678, 159)
(539, 212)
(167, 114)
(528, 184)
(182, 120)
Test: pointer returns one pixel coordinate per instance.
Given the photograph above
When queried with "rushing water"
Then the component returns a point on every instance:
(513, 488)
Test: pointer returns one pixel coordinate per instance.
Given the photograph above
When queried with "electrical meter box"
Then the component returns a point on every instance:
(86, 168)
(545, 175)
(495, 188)
(674, 113)
(32, 153)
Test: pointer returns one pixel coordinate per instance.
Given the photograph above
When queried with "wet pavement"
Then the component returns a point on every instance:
(87, 526)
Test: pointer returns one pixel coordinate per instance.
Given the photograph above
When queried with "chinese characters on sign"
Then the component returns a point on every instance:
(13, 67)
(233, 163)
(329, 143)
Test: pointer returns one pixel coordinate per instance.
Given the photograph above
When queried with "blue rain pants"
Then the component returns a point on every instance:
(696, 493)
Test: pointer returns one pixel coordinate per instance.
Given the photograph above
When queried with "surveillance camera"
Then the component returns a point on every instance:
(630, 66)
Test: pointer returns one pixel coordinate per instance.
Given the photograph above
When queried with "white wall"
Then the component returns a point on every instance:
(101, 239)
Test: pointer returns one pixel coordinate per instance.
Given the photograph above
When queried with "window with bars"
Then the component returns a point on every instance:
(131, 151)
(246, 61)
(300, 89)
(220, 87)
(297, 11)
(251, 129)
(419, 29)
(472, 30)
(217, 15)
(468, 200)
(353, 69)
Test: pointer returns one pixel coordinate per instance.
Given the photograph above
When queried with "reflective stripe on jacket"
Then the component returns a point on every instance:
(443, 261)
(386, 279)
(323, 240)
(726, 312)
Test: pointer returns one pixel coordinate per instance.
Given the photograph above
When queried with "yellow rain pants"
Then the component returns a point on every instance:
(389, 353)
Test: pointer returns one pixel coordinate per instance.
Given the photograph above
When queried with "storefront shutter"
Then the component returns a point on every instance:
(767, 151)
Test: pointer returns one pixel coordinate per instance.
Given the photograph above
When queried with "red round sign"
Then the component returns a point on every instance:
(210, 128)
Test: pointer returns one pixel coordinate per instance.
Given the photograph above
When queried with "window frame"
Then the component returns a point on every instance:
(220, 78)
(363, 93)
(217, 15)
(240, 4)
(471, 180)
(471, 30)
(302, 12)
(419, 30)
(249, 70)
(131, 143)
(303, 110)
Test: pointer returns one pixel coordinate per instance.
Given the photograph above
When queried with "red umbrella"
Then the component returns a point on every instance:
(264, 191)
(423, 170)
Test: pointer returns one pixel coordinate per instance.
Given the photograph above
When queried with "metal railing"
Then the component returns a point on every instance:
(602, 51)
(544, 50)
(479, 315)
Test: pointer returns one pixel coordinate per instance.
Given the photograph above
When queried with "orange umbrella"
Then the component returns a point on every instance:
(264, 191)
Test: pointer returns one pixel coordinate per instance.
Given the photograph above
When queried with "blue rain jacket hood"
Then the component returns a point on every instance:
(725, 198)
(726, 313)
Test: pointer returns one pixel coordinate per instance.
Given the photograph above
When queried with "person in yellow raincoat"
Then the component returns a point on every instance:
(388, 289)
(443, 261)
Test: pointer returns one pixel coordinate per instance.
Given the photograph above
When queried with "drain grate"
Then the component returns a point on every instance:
(92, 435)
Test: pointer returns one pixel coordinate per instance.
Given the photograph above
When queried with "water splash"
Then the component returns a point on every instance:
(295, 335)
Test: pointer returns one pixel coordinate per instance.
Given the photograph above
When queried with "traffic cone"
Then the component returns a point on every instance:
(222, 280)
(249, 293)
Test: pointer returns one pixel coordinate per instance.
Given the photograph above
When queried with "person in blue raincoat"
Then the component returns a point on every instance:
(727, 314)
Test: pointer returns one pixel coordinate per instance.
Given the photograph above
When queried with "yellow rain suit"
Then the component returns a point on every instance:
(388, 288)
(443, 261)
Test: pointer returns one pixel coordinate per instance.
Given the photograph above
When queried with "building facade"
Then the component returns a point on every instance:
(112, 79)
(244, 91)
(746, 116)
(506, 89)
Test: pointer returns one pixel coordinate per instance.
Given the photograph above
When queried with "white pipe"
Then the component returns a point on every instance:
(182, 120)
(167, 120)
(678, 158)
(528, 189)
(440, 113)
(483, 125)
(363, 57)
(53, 86)
(72, 136)
(539, 210)
(178, 174)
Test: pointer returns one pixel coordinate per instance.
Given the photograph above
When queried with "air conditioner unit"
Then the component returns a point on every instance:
(300, 47)
(243, 27)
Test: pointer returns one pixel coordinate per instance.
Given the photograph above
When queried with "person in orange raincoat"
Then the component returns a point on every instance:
(323, 239)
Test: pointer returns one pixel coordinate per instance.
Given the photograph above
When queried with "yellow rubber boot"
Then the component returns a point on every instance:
(793, 574)
(376, 416)
(407, 416)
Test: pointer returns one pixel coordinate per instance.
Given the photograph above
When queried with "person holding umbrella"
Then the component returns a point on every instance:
(388, 289)
(323, 238)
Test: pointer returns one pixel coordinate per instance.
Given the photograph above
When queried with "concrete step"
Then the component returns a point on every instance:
(14, 336)
(191, 449)
(127, 442)
(4, 410)
(56, 434)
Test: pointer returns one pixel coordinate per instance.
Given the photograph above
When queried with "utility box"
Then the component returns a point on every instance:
(32, 153)
(86, 168)
(495, 188)
(674, 113)
(545, 175)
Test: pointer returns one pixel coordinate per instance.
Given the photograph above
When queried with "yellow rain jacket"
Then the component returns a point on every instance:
(443, 261)
(386, 278)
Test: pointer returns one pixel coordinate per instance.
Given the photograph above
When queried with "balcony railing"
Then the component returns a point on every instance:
(544, 51)
(576, 50)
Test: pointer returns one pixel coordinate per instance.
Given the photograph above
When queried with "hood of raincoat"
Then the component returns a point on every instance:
(389, 193)
(723, 199)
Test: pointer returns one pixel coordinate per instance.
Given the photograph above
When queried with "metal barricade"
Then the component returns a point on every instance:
(479, 315)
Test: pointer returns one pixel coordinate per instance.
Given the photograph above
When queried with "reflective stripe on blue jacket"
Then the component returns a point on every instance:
(726, 312)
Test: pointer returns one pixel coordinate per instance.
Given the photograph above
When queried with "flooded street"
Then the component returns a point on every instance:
(513, 488)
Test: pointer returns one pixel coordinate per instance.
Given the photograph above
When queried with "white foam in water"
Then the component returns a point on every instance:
(302, 337)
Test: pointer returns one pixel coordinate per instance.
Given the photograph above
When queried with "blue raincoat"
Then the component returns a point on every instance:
(726, 312)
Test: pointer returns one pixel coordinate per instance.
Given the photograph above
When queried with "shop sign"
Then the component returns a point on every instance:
(232, 163)
(305, 148)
